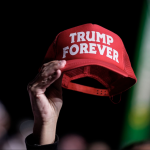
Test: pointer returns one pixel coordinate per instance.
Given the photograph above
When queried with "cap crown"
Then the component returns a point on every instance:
(95, 45)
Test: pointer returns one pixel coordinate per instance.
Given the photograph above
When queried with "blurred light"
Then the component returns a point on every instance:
(26, 128)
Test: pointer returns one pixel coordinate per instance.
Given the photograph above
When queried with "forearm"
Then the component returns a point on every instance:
(44, 133)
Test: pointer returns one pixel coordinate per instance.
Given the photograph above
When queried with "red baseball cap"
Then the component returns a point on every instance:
(92, 51)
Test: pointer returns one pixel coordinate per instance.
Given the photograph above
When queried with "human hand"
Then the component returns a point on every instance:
(45, 94)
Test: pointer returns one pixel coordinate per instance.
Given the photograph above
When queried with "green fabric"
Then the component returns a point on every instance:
(137, 120)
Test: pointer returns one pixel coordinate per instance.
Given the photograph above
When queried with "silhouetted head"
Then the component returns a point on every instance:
(72, 142)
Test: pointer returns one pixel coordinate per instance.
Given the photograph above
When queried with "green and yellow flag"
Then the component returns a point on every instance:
(137, 120)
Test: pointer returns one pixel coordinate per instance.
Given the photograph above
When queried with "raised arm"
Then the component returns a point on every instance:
(45, 94)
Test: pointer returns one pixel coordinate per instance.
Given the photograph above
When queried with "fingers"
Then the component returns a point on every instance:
(51, 67)
(57, 83)
(50, 79)
(49, 73)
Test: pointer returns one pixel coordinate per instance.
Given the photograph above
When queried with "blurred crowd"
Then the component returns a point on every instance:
(67, 142)
(17, 141)
(77, 142)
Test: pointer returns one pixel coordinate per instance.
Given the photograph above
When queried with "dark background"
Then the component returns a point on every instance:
(28, 29)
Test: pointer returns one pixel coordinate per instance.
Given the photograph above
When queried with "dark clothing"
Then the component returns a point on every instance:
(31, 144)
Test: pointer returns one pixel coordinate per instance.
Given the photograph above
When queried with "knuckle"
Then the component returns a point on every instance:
(30, 87)
(56, 66)
(43, 68)
(44, 74)
(44, 65)
(54, 63)
(49, 68)
(50, 63)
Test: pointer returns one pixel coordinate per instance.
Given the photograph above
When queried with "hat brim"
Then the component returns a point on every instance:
(71, 64)
(121, 85)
